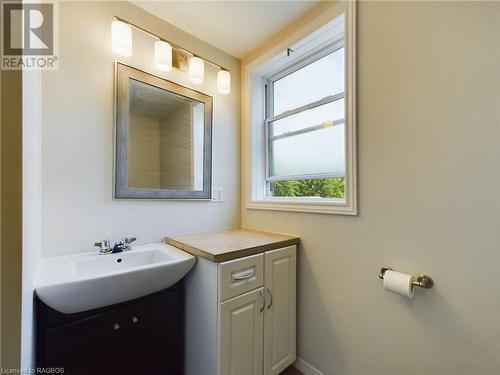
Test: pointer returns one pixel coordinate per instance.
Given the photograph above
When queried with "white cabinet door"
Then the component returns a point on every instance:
(241, 331)
(280, 310)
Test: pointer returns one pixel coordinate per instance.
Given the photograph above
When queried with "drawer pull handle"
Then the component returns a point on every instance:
(270, 295)
(116, 326)
(243, 275)
(134, 320)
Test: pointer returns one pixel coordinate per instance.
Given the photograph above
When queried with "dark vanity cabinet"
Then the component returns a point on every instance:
(154, 331)
(143, 336)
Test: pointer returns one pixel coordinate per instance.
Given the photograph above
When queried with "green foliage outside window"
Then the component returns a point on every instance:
(321, 187)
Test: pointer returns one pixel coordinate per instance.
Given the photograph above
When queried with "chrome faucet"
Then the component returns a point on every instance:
(123, 245)
(104, 247)
(120, 246)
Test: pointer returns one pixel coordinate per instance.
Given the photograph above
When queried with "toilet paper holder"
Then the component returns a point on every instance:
(422, 281)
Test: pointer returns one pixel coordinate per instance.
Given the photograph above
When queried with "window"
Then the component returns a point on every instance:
(304, 127)
(302, 120)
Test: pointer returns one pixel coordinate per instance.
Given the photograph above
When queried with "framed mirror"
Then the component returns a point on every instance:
(163, 138)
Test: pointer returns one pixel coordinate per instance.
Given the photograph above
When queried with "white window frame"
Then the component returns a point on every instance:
(255, 73)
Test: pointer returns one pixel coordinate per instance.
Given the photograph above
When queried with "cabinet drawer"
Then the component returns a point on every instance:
(240, 275)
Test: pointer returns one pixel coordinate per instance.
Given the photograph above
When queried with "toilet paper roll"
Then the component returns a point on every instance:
(400, 283)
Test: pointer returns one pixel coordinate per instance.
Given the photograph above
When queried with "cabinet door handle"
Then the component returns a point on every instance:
(243, 275)
(134, 319)
(263, 300)
(116, 326)
(270, 295)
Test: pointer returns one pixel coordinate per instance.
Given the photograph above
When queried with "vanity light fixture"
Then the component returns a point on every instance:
(168, 55)
(224, 82)
(121, 38)
(196, 70)
(163, 56)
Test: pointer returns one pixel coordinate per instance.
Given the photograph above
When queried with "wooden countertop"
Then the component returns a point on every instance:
(220, 246)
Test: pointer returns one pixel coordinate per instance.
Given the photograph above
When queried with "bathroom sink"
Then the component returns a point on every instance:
(102, 265)
(86, 281)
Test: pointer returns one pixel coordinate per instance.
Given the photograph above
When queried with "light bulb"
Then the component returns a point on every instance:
(121, 38)
(196, 70)
(224, 82)
(163, 56)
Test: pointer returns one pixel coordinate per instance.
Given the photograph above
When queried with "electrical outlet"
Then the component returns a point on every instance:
(217, 195)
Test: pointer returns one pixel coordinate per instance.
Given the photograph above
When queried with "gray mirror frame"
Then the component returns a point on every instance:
(122, 191)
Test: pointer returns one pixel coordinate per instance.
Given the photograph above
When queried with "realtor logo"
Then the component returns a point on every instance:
(29, 35)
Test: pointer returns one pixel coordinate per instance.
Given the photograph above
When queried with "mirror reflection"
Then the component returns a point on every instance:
(165, 144)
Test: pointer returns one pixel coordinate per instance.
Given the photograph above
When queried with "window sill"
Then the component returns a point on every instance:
(330, 207)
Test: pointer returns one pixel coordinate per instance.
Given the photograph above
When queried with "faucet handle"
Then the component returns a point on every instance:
(128, 240)
(104, 246)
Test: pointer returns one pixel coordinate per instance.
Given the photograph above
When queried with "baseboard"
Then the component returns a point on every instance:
(306, 368)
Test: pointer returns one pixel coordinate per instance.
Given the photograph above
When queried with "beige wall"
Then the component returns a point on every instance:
(176, 152)
(78, 136)
(429, 177)
(161, 150)
(11, 217)
(1, 339)
(144, 152)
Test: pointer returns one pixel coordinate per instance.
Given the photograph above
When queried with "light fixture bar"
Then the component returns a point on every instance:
(174, 46)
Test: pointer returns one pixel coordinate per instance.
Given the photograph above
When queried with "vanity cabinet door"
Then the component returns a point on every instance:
(93, 345)
(280, 310)
(154, 338)
(241, 331)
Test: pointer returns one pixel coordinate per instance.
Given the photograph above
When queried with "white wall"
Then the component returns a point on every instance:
(32, 205)
(429, 177)
(77, 153)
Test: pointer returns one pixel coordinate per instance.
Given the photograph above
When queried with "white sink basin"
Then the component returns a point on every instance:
(86, 281)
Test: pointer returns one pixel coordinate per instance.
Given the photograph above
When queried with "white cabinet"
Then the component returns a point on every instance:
(241, 331)
(240, 275)
(280, 311)
(240, 315)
